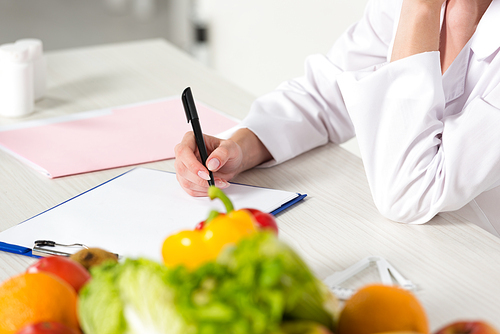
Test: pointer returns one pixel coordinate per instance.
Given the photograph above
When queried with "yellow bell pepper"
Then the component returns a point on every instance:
(227, 229)
(187, 248)
(195, 247)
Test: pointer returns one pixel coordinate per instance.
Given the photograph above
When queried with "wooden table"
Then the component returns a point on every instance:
(455, 264)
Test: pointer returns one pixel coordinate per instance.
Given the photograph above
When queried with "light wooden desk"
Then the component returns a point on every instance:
(455, 264)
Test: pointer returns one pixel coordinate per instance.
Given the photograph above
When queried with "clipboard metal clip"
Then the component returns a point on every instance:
(46, 248)
(386, 271)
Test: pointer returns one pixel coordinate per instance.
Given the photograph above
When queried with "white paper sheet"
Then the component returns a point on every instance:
(132, 214)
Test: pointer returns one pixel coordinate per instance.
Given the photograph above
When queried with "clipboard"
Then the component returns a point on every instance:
(133, 213)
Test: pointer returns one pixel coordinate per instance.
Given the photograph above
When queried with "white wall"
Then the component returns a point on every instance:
(259, 43)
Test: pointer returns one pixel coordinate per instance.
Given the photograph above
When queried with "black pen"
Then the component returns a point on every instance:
(192, 115)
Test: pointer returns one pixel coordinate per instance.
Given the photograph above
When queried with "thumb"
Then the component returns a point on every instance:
(220, 156)
(213, 162)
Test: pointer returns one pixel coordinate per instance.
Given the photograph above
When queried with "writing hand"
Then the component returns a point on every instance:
(224, 161)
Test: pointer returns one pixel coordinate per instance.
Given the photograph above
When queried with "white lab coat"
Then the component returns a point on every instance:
(430, 142)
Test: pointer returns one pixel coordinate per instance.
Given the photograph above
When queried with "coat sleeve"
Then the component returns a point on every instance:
(419, 162)
(309, 111)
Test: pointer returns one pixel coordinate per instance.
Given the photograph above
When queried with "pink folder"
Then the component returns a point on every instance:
(108, 138)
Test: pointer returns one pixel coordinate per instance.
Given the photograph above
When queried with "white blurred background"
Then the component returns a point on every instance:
(254, 43)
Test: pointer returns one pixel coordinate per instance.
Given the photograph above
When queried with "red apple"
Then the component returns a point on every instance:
(66, 269)
(467, 327)
(47, 327)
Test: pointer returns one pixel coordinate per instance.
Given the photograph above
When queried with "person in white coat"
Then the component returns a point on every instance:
(418, 83)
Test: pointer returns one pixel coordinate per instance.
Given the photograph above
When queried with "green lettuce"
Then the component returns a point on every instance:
(99, 300)
(131, 297)
(251, 288)
(267, 265)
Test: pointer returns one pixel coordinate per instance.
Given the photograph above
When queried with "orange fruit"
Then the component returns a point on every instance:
(381, 308)
(30, 298)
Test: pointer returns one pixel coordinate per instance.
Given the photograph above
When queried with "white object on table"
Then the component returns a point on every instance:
(35, 50)
(386, 272)
(16, 81)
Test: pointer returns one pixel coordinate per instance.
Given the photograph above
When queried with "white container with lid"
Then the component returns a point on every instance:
(35, 47)
(16, 81)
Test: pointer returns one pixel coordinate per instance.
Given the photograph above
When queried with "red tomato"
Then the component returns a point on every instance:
(47, 327)
(66, 269)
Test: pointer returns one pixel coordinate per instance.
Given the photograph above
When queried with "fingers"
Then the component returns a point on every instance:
(192, 184)
(225, 159)
(190, 172)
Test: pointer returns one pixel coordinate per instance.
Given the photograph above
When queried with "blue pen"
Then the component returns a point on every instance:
(192, 116)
